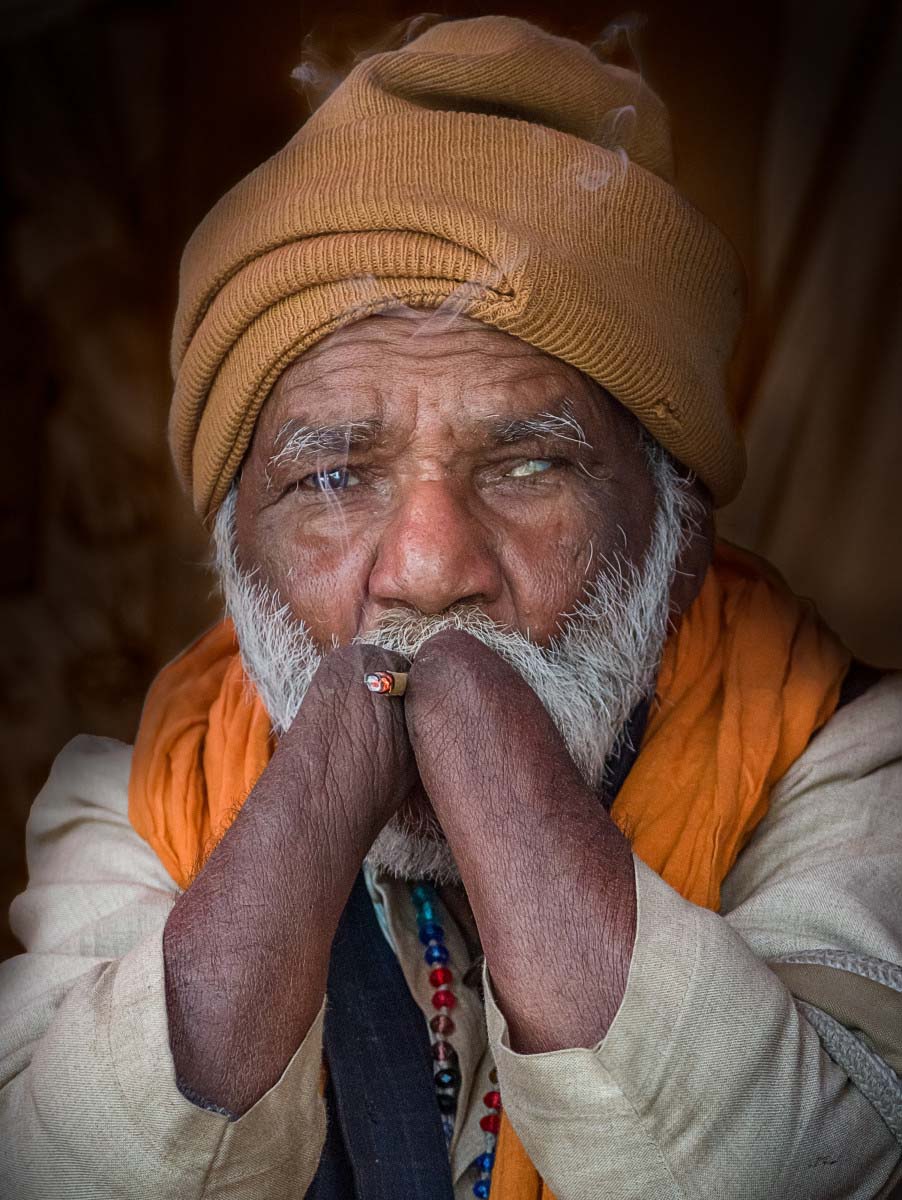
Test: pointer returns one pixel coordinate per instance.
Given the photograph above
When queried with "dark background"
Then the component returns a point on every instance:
(123, 122)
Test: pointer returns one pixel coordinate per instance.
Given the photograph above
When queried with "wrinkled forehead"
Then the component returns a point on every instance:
(376, 368)
(419, 341)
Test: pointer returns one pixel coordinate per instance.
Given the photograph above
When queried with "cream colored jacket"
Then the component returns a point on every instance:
(714, 1080)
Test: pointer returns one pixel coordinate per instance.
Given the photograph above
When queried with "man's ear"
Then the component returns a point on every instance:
(695, 557)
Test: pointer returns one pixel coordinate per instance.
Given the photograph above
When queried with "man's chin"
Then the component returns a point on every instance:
(412, 845)
(417, 815)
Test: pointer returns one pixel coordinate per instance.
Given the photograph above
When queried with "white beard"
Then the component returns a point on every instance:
(589, 677)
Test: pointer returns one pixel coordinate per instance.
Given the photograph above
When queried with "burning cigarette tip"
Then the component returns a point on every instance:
(387, 683)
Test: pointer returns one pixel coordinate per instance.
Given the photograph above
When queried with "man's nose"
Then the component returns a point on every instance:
(434, 553)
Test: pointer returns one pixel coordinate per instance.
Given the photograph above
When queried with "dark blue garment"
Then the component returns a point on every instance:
(624, 754)
(384, 1138)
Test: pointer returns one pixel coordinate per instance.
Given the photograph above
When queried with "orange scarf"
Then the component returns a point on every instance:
(749, 676)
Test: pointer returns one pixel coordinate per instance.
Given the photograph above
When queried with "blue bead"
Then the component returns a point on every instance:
(481, 1188)
(448, 1077)
(426, 912)
(431, 933)
(436, 954)
(484, 1162)
(422, 893)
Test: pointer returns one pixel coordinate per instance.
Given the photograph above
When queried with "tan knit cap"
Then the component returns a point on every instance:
(492, 164)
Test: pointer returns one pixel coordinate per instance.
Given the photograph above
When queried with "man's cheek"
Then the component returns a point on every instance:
(549, 579)
(328, 594)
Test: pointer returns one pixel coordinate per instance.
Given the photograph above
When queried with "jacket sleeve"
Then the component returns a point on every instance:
(88, 1099)
(715, 1079)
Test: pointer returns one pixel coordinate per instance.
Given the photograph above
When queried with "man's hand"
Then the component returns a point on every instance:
(547, 873)
(348, 745)
(247, 946)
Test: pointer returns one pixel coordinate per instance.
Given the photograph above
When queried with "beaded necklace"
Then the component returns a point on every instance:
(446, 1074)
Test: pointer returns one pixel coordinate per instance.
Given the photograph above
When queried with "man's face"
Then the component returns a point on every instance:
(405, 462)
(408, 476)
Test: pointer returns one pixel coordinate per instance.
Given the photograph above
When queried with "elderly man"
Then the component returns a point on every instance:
(513, 836)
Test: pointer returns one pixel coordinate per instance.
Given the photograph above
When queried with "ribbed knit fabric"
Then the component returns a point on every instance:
(486, 166)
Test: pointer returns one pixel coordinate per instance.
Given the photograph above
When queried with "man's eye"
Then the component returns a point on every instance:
(335, 480)
(533, 466)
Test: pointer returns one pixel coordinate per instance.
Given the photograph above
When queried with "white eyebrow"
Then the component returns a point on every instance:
(294, 441)
(563, 425)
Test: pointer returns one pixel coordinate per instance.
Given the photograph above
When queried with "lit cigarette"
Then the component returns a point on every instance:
(387, 683)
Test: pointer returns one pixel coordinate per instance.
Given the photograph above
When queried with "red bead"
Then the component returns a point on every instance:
(491, 1123)
(441, 1023)
(442, 1052)
(440, 976)
(443, 999)
(492, 1099)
